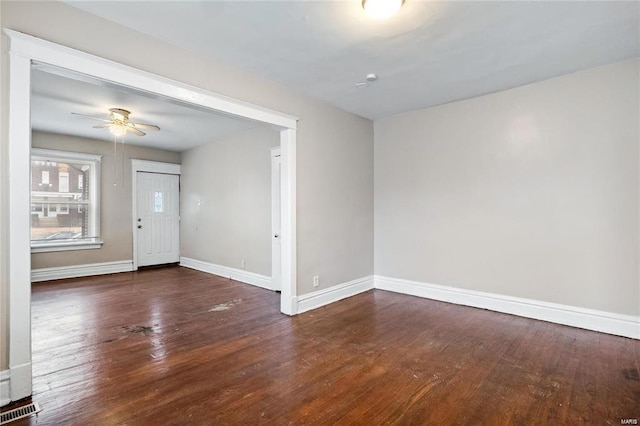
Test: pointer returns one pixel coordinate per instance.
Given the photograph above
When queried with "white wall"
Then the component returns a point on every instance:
(226, 201)
(115, 223)
(334, 148)
(532, 192)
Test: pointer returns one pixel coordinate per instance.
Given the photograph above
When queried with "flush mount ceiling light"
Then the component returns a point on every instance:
(380, 9)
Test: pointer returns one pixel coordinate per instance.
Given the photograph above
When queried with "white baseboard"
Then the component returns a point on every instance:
(590, 319)
(227, 272)
(20, 381)
(5, 387)
(332, 294)
(74, 271)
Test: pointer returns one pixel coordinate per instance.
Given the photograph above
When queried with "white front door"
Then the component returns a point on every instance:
(158, 218)
(276, 271)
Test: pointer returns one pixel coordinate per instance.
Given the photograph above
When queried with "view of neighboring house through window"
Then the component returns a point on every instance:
(63, 181)
(64, 200)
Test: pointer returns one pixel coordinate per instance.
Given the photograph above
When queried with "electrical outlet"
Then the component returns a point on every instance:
(243, 264)
(316, 281)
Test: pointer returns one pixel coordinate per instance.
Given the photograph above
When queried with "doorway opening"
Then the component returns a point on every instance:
(25, 51)
(276, 246)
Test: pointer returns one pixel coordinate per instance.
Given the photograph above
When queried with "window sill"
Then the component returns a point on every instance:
(65, 246)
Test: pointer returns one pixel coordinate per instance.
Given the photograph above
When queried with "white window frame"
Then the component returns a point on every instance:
(94, 161)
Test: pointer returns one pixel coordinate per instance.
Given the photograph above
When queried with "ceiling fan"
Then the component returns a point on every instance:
(119, 124)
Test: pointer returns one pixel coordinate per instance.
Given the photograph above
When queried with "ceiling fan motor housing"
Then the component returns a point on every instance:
(119, 114)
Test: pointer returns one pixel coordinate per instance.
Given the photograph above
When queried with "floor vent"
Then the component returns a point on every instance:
(19, 413)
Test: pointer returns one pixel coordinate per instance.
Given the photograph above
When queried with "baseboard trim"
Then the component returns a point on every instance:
(227, 272)
(5, 387)
(74, 271)
(332, 294)
(20, 381)
(590, 319)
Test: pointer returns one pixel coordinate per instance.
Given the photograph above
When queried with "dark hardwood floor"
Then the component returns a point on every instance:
(177, 346)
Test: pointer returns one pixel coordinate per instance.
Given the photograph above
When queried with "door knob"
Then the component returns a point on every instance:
(276, 236)
(139, 226)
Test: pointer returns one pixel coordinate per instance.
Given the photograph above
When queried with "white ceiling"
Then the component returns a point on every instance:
(430, 53)
(55, 97)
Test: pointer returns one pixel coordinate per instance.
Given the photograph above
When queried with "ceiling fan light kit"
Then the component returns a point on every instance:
(117, 129)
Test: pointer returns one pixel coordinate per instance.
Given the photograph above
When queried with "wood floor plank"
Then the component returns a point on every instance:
(178, 346)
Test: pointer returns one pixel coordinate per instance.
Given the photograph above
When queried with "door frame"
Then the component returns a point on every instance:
(149, 167)
(25, 50)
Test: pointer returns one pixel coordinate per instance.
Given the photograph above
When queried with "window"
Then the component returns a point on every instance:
(64, 217)
(63, 181)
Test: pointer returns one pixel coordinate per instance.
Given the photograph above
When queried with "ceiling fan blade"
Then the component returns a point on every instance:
(145, 126)
(134, 130)
(102, 126)
(90, 116)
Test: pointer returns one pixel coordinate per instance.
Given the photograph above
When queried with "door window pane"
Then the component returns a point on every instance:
(158, 202)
